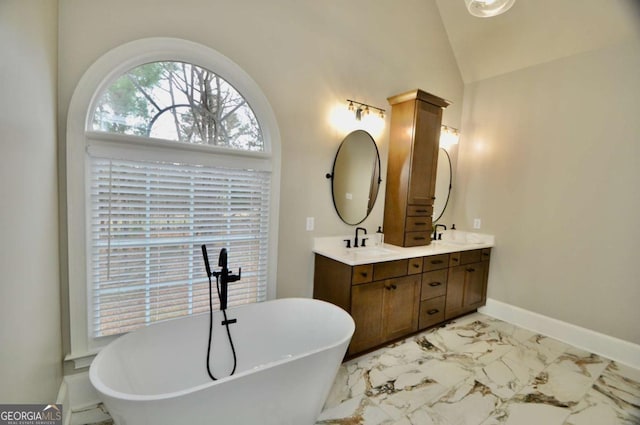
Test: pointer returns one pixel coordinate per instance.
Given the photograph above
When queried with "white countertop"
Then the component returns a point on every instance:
(452, 241)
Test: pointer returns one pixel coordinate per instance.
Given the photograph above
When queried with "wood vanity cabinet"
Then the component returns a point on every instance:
(467, 283)
(383, 298)
(392, 299)
(416, 118)
(383, 311)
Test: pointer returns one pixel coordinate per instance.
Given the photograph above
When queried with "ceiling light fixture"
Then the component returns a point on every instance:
(488, 8)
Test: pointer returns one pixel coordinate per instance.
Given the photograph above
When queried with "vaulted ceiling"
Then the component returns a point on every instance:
(534, 32)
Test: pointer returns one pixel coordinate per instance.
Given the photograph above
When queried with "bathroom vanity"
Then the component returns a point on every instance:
(392, 292)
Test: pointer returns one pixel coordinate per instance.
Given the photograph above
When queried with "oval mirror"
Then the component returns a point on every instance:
(355, 178)
(443, 184)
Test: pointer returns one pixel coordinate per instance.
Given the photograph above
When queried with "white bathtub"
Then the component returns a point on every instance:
(289, 351)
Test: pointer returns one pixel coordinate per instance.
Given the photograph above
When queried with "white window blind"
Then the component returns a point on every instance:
(148, 221)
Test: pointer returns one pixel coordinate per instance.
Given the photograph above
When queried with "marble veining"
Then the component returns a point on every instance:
(482, 371)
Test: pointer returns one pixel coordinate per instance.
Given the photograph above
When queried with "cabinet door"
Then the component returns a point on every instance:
(466, 288)
(401, 302)
(424, 158)
(474, 291)
(455, 292)
(366, 310)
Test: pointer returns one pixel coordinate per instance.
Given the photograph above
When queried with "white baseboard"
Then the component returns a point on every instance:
(604, 345)
(76, 394)
(63, 399)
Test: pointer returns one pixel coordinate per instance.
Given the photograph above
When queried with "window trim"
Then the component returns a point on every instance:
(80, 139)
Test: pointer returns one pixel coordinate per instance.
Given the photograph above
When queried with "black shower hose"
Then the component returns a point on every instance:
(226, 323)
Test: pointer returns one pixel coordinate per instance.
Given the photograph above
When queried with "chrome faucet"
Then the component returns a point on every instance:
(355, 241)
(437, 236)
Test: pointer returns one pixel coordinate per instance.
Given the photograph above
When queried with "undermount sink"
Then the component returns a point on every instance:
(369, 252)
(458, 237)
(448, 242)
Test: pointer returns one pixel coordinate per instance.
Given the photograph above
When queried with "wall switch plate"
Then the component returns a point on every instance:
(477, 223)
(310, 223)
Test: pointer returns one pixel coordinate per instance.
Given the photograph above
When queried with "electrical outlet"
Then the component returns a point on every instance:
(310, 224)
(477, 223)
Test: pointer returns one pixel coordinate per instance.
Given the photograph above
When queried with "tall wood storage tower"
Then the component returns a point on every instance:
(416, 117)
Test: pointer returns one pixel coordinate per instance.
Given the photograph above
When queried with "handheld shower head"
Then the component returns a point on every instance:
(206, 260)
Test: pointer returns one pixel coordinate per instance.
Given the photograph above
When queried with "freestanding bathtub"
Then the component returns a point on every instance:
(288, 351)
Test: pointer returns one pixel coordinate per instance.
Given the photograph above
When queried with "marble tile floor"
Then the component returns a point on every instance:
(479, 371)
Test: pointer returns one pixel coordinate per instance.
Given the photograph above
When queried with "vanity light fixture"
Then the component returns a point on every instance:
(488, 8)
(449, 136)
(362, 109)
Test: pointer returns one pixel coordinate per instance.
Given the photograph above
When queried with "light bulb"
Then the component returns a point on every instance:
(488, 8)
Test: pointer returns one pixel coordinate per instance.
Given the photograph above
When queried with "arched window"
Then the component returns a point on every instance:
(177, 151)
(181, 102)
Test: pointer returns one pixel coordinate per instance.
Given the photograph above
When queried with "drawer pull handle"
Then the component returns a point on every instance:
(437, 261)
(422, 211)
(416, 266)
(420, 224)
(434, 284)
(419, 238)
(455, 259)
(485, 254)
(390, 287)
(471, 270)
(394, 287)
(363, 274)
(432, 312)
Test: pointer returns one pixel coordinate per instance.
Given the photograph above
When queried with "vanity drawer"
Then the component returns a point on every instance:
(431, 312)
(468, 257)
(362, 274)
(390, 269)
(417, 238)
(415, 265)
(418, 224)
(434, 284)
(419, 210)
(454, 259)
(435, 262)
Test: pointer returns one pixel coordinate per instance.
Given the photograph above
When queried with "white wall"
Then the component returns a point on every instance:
(307, 56)
(550, 160)
(30, 337)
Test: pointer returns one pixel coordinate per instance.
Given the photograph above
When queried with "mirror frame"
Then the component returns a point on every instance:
(446, 202)
(375, 179)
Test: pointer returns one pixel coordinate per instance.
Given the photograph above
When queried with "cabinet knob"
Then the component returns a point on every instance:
(434, 284)
(416, 266)
(363, 274)
(454, 259)
(432, 312)
(471, 270)
(394, 287)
